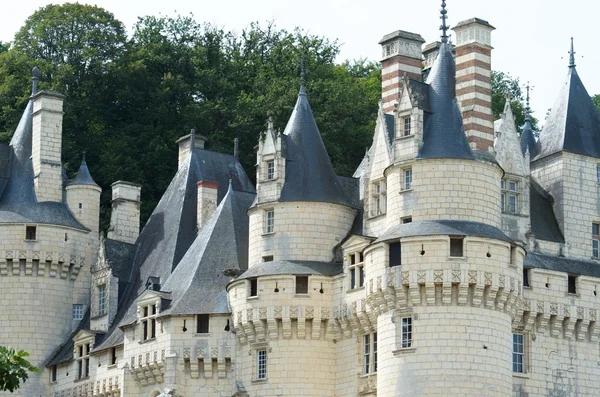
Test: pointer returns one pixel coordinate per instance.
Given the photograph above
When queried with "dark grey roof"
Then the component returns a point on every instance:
(351, 187)
(443, 133)
(443, 227)
(83, 176)
(171, 229)
(390, 127)
(64, 353)
(197, 285)
(573, 124)
(18, 203)
(309, 175)
(485, 155)
(473, 20)
(528, 140)
(419, 94)
(119, 256)
(543, 221)
(402, 34)
(561, 264)
(293, 268)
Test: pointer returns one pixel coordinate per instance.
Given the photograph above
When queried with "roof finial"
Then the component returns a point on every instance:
(302, 76)
(236, 148)
(527, 108)
(83, 158)
(35, 74)
(192, 139)
(443, 17)
(572, 55)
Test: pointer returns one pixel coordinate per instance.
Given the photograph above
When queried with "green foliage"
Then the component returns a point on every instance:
(596, 100)
(13, 368)
(501, 84)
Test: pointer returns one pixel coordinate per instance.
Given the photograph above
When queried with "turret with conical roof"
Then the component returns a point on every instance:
(83, 197)
(528, 143)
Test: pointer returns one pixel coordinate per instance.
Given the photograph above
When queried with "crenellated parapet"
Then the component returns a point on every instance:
(106, 387)
(41, 264)
(148, 368)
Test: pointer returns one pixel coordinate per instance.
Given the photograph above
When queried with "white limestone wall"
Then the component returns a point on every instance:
(303, 231)
(40, 281)
(125, 215)
(84, 203)
(457, 190)
(401, 202)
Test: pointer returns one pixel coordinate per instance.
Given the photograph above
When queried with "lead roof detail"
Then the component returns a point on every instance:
(574, 122)
(309, 175)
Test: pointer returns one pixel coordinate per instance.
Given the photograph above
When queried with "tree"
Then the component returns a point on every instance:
(596, 100)
(501, 84)
(13, 368)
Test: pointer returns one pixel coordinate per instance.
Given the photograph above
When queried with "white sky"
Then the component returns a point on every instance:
(530, 39)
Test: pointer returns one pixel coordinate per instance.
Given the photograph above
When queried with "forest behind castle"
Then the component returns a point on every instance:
(131, 95)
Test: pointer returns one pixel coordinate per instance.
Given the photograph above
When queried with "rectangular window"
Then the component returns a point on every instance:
(113, 356)
(379, 198)
(518, 353)
(30, 232)
(526, 278)
(395, 253)
(268, 258)
(77, 312)
(253, 287)
(270, 170)
(408, 219)
(83, 360)
(407, 126)
(406, 332)
(101, 299)
(202, 322)
(572, 284)
(356, 269)
(509, 196)
(407, 179)
(302, 284)
(370, 353)
(53, 372)
(456, 246)
(148, 321)
(595, 240)
(261, 364)
(270, 221)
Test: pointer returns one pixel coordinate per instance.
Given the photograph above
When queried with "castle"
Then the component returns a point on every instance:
(461, 259)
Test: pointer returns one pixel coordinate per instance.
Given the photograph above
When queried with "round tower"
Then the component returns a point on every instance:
(445, 287)
(281, 305)
(83, 198)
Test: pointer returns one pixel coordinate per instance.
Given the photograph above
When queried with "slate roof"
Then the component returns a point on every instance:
(443, 227)
(18, 202)
(197, 285)
(560, 264)
(443, 133)
(574, 122)
(83, 176)
(293, 268)
(171, 229)
(543, 221)
(420, 94)
(309, 175)
(528, 139)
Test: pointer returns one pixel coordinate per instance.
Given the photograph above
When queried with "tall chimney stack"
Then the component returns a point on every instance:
(401, 53)
(207, 201)
(125, 215)
(473, 81)
(186, 142)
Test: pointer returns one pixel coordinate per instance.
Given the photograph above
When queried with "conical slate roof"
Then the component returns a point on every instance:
(83, 176)
(309, 175)
(573, 124)
(443, 133)
(528, 140)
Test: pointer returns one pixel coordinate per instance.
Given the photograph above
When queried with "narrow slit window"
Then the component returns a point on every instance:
(261, 364)
(526, 278)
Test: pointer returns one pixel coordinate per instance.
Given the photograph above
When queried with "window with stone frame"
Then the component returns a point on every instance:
(406, 332)
(518, 353)
(369, 353)
(379, 198)
(261, 364)
(270, 221)
(596, 240)
(509, 199)
(407, 177)
(356, 270)
(270, 167)
(101, 299)
(407, 126)
(148, 315)
(82, 358)
(77, 312)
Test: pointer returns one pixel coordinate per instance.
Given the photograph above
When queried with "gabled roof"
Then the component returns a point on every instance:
(18, 202)
(309, 175)
(83, 176)
(573, 124)
(197, 285)
(507, 144)
(443, 133)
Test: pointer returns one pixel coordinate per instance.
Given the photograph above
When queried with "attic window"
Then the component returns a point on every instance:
(30, 232)
(148, 321)
(407, 219)
(456, 247)
(202, 322)
(153, 283)
(302, 284)
(407, 126)
(572, 284)
(253, 287)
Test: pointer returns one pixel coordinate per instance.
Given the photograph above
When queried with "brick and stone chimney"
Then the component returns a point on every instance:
(185, 143)
(46, 145)
(401, 53)
(125, 215)
(207, 201)
(473, 81)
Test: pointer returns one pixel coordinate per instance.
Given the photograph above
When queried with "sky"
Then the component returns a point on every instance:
(531, 40)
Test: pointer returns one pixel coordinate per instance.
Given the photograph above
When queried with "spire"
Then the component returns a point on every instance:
(192, 140)
(35, 74)
(572, 55)
(83, 176)
(443, 17)
(527, 108)
(236, 147)
(302, 76)
(528, 143)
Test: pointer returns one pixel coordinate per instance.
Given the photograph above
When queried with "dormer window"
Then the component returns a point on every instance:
(148, 321)
(270, 170)
(509, 199)
(102, 299)
(407, 126)
(356, 269)
(83, 360)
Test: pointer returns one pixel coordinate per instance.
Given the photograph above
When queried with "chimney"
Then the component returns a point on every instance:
(186, 142)
(125, 215)
(473, 81)
(207, 201)
(236, 148)
(401, 53)
(46, 145)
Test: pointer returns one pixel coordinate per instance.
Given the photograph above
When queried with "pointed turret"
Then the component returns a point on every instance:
(443, 132)
(574, 122)
(527, 138)
(83, 176)
(309, 174)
